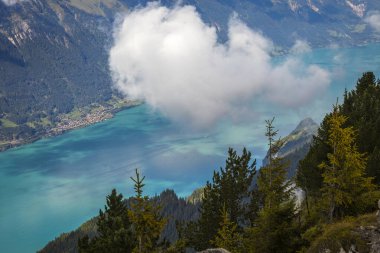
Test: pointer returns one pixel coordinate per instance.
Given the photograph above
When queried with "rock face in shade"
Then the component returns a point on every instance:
(296, 145)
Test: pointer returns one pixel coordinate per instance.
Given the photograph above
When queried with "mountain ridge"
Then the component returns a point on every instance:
(295, 146)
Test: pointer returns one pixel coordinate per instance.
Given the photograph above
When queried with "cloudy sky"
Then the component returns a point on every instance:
(173, 60)
(373, 19)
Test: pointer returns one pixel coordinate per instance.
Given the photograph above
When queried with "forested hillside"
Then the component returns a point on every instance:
(53, 60)
(173, 208)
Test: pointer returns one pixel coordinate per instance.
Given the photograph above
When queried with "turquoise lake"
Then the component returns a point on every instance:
(54, 185)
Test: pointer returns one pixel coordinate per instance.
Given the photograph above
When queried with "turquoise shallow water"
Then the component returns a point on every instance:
(55, 184)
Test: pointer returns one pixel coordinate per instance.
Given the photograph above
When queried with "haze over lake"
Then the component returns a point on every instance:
(54, 185)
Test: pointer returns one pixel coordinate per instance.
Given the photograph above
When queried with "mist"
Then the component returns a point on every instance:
(173, 60)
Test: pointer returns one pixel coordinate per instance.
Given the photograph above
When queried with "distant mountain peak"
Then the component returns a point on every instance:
(307, 123)
(295, 146)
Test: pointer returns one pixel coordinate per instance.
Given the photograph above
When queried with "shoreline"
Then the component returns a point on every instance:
(66, 124)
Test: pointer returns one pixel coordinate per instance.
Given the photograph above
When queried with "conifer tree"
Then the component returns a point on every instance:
(230, 186)
(273, 230)
(272, 182)
(146, 220)
(228, 236)
(362, 107)
(344, 179)
(114, 228)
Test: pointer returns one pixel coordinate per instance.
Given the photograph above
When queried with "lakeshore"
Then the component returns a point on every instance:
(78, 118)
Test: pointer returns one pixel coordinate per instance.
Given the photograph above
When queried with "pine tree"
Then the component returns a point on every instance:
(272, 182)
(228, 236)
(231, 186)
(114, 229)
(146, 220)
(273, 230)
(344, 179)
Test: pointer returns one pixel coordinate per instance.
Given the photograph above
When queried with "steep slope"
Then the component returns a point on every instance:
(53, 59)
(296, 145)
(321, 23)
(173, 208)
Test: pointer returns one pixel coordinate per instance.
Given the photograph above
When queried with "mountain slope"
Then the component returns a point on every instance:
(173, 208)
(296, 145)
(53, 59)
(320, 23)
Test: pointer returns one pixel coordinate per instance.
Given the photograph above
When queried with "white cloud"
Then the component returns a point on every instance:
(300, 47)
(172, 60)
(373, 19)
(11, 2)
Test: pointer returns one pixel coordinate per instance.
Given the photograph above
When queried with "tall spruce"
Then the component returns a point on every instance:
(272, 183)
(231, 187)
(273, 230)
(114, 229)
(147, 222)
(344, 179)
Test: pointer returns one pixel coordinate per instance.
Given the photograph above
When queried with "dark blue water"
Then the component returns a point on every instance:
(54, 185)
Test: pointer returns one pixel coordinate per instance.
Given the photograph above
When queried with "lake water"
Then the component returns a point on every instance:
(55, 184)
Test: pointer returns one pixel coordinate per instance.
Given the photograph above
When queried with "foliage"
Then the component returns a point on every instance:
(339, 235)
(147, 222)
(274, 230)
(230, 187)
(344, 179)
(309, 176)
(228, 236)
(174, 209)
(113, 227)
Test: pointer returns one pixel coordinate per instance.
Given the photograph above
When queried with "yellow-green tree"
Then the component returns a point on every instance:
(146, 220)
(227, 236)
(344, 179)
